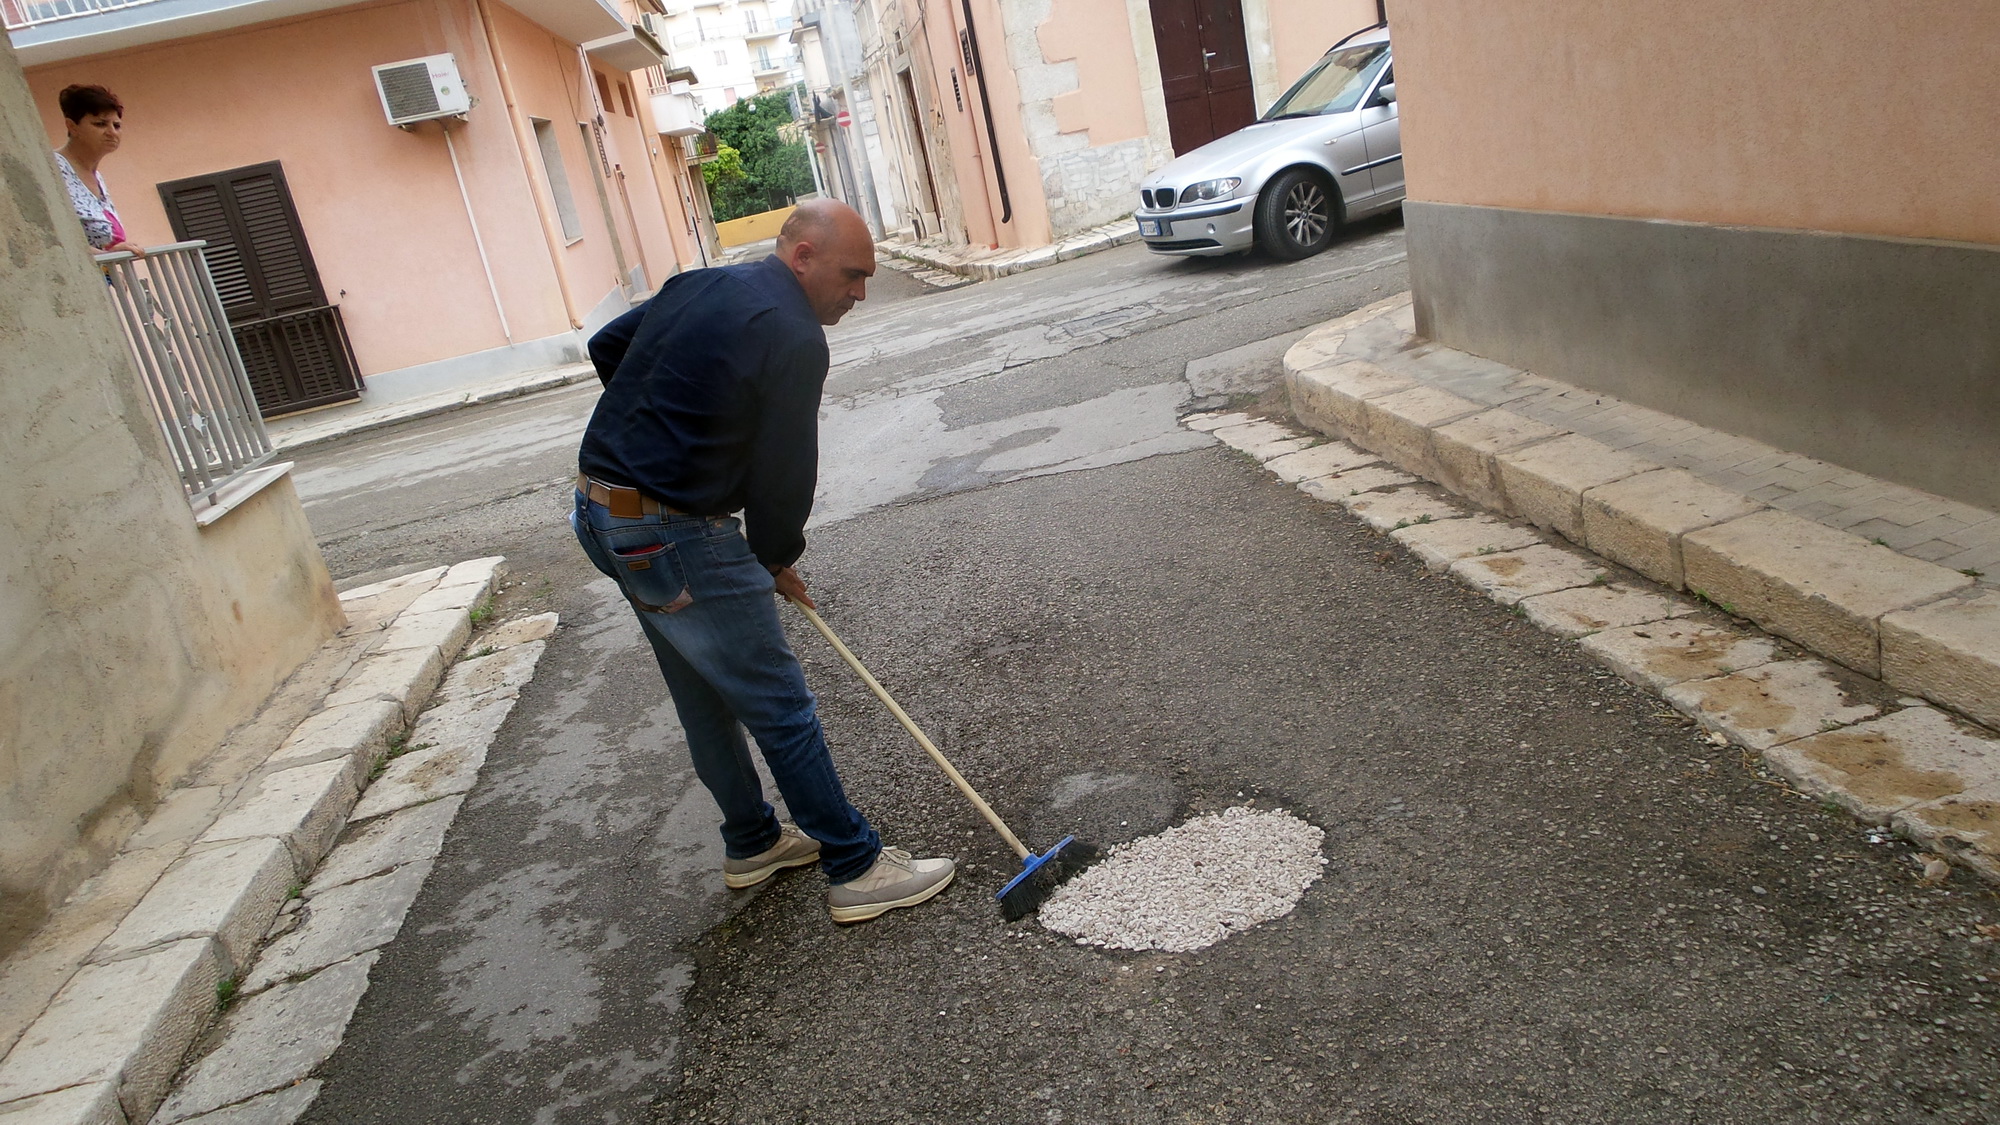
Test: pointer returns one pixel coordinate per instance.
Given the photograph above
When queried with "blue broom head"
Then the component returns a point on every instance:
(1042, 874)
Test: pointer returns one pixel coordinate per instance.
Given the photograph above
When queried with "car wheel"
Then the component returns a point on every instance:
(1296, 215)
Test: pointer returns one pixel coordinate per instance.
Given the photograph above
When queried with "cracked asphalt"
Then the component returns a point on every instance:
(1547, 898)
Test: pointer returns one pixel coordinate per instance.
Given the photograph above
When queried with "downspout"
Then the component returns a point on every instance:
(986, 105)
(524, 139)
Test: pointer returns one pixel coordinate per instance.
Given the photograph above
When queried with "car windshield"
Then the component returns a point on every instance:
(1333, 86)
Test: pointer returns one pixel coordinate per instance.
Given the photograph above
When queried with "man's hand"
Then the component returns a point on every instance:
(793, 587)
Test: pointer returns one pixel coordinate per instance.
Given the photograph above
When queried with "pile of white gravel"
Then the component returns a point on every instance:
(1193, 885)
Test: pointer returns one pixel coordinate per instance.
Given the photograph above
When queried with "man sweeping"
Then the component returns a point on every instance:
(711, 407)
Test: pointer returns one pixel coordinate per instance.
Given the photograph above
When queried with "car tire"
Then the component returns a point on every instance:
(1297, 215)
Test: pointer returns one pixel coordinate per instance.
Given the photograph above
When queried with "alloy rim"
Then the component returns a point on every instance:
(1305, 213)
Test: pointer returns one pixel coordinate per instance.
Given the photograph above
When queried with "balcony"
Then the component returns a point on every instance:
(46, 31)
(767, 29)
(675, 114)
(763, 65)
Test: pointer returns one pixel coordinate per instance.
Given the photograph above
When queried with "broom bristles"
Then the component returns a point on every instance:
(1042, 874)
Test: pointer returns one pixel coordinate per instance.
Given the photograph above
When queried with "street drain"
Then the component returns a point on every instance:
(1192, 885)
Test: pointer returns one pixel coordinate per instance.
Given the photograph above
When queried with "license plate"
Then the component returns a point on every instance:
(1152, 228)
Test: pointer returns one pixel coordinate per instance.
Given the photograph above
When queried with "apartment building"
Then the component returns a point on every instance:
(358, 256)
(739, 48)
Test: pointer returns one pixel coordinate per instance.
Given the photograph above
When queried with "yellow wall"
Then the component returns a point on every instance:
(752, 228)
(1867, 116)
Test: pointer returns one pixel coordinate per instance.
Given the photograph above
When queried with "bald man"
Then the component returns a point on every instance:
(711, 407)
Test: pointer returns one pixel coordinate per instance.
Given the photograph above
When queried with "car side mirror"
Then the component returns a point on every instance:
(1386, 94)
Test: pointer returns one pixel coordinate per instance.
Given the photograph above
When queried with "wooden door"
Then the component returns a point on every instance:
(294, 346)
(1204, 69)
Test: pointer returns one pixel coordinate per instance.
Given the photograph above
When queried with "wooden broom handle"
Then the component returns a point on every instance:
(881, 693)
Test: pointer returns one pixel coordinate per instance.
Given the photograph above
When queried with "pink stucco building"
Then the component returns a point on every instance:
(453, 248)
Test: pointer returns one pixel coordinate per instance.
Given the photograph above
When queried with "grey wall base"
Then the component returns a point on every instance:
(1879, 354)
(473, 369)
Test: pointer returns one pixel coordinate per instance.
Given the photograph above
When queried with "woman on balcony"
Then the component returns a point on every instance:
(94, 117)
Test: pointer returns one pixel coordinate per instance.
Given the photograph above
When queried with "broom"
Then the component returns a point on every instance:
(1040, 874)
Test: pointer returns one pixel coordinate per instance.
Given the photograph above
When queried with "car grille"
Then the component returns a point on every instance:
(1159, 199)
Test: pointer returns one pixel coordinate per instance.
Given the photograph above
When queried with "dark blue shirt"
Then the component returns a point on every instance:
(711, 401)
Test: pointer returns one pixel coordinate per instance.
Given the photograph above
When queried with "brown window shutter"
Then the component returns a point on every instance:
(256, 247)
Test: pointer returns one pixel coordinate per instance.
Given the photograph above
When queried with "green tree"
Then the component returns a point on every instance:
(730, 191)
(774, 171)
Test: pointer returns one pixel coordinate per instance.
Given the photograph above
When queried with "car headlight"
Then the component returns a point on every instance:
(1210, 190)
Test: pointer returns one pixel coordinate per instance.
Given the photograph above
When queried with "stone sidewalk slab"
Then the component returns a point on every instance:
(497, 673)
(1468, 451)
(304, 807)
(519, 631)
(1658, 656)
(1262, 440)
(1770, 704)
(272, 1040)
(1354, 482)
(1444, 542)
(1639, 521)
(1807, 582)
(1948, 651)
(229, 893)
(95, 1104)
(280, 1107)
(377, 846)
(1584, 610)
(128, 1022)
(448, 762)
(355, 733)
(1510, 576)
(1387, 511)
(342, 922)
(1964, 827)
(1878, 768)
(407, 677)
(1319, 461)
(1545, 483)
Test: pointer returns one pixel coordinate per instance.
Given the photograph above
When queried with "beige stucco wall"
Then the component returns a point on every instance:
(380, 206)
(1867, 117)
(130, 639)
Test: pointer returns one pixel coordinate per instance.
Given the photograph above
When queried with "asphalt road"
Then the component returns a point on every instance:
(1547, 899)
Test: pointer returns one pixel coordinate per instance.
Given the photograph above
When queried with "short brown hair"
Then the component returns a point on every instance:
(79, 102)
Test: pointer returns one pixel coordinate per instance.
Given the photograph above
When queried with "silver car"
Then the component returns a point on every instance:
(1327, 152)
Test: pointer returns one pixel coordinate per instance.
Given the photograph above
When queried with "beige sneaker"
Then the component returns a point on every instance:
(894, 880)
(793, 849)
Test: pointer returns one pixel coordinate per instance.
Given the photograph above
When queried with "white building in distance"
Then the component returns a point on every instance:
(737, 48)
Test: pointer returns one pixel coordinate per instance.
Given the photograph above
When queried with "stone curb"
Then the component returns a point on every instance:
(1822, 588)
(309, 434)
(985, 265)
(1934, 777)
(1919, 627)
(146, 992)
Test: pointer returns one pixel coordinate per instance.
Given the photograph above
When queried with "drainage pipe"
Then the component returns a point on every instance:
(480, 243)
(524, 138)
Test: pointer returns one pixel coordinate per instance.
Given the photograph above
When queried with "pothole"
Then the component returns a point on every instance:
(1192, 885)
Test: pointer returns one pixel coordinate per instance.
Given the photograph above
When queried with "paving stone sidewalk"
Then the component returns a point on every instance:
(1862, 675)
(233, 899)
(982, 264)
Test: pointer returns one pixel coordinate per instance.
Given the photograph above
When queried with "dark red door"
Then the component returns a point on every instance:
(1204, 69)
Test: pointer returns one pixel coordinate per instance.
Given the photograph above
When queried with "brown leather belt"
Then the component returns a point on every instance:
(624, 503)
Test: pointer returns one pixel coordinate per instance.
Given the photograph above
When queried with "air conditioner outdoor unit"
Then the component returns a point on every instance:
(421, 89)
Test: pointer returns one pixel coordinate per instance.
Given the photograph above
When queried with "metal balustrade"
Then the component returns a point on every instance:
(19, 14)
(188, 360)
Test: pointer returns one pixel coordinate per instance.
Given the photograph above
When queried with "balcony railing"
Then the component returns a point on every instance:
(19, 14)
(188, 361)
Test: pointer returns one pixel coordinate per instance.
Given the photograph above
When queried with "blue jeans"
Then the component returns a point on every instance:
(705, 603)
